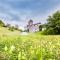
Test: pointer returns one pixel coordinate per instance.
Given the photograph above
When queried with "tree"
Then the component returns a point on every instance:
(2, 23)
(11, 28)
(40, 28)
(53, 24)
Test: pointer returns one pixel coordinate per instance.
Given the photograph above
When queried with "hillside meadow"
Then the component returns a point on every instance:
(34, 46)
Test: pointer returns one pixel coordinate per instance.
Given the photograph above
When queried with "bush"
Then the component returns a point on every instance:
(11, 28)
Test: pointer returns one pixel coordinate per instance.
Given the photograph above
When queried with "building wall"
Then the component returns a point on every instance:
(33, 28)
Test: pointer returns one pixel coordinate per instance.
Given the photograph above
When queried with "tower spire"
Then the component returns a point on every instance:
(30, 22)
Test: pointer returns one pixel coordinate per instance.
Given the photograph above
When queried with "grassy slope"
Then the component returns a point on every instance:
(34, 46)
(5, 31)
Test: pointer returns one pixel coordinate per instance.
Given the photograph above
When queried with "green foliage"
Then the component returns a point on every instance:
(40, 28)
(49, 31)
(11, 28)
(53, 25)
(2, 23)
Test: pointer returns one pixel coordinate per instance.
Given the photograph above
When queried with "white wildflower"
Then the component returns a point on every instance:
(12, 48)
(5, 48)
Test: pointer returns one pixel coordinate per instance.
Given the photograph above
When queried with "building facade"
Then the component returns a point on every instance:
(33, 27)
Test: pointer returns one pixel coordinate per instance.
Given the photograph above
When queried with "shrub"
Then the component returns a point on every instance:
(11, 28)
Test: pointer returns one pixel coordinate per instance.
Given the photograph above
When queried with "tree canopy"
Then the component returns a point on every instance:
(53, 24)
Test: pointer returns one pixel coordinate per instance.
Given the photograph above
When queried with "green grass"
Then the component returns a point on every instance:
(33, 46)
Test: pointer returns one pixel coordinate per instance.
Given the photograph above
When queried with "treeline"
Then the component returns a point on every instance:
(53, 24)
(11, 28)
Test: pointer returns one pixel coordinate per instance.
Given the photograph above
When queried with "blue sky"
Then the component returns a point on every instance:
(21, 11)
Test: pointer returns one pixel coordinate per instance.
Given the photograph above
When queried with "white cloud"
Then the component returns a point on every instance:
(7, 13)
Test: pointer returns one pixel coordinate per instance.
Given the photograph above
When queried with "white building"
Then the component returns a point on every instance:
(33, 27)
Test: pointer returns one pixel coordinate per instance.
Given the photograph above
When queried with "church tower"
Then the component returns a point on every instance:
(30, 22)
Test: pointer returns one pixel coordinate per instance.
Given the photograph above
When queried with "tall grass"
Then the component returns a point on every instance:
(30, 47)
